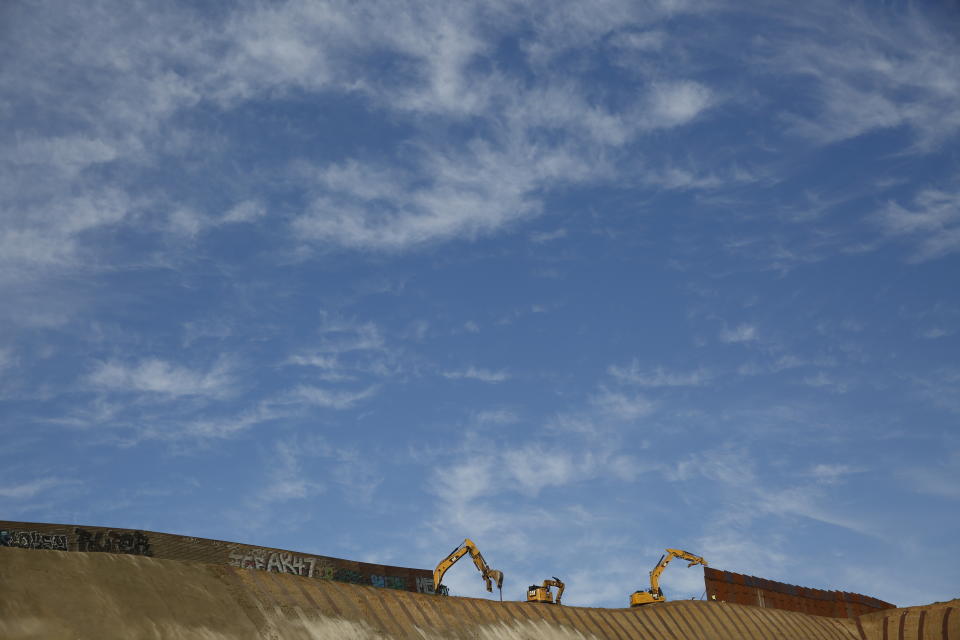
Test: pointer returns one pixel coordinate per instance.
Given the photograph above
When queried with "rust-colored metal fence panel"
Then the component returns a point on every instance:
(727, 586)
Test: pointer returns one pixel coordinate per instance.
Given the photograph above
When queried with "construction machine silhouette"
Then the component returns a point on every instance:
(467, 546)
(542, 593)
(655, 593)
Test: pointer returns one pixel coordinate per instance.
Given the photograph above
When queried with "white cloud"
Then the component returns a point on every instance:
(287, 479)
(825, 381)
(940, 478)
(621, 406)
(475, 373)
(331, 398)
(832, 473)
(564, 25)
(469, 192)
(245, 211)
(658, 377)
(7, 360)
(574, 423)
(496, 416)
(135, 83)
(355, 476)
(739, 334)
(331, 369)
(742, 550)
(157, 376)
(29, 489)
(868, 73)
(345, 337)
(806, 502)
(187, 222)
(730, 467)
(221, 427)
(735, 472)
(534, 468)
(482, 470)
(677, 103)
(492, 491)
(469, 479)
(541, 237)
(69, 154)
(932, 223)
(641, 41)
(315, 360)
(50, 236)
(785, 362)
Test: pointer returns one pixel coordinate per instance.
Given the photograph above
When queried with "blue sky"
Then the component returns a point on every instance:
(364, 279)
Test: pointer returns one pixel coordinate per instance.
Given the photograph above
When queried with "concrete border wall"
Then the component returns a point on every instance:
(63, 537)
(727, 586)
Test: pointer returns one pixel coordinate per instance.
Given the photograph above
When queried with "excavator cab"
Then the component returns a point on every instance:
(542, 593)
(655, 593)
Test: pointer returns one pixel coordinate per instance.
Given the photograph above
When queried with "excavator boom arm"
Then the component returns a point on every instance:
(558, 583)
(665, 560)
(445, 564)
(689, 557)
(488, 574)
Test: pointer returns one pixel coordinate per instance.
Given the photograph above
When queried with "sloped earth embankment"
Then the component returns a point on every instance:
(54, 594)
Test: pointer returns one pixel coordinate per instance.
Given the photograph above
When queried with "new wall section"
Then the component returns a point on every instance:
(726, 586)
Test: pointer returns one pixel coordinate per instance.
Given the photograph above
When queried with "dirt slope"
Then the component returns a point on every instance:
(55, 594)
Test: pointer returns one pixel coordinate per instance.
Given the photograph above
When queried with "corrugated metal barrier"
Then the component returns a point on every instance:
(727, 586)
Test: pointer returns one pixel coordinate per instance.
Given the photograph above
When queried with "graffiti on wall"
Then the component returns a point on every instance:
(330, 572)
(424, 585)
(96, 539)
(273, 561)
(33, 540)
(133, 542)
(389, 582)
(281, 562)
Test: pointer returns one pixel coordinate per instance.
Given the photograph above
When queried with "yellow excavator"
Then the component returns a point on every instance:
(654, 593)
(467, 546)
(543, 594)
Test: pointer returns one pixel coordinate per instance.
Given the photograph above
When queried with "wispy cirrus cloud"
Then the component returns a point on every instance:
(156, 376)
(931, 223)
(658, 376)
(447, 192)
(7, 359)
(467, 192)
(621, 406)
(742, 333)
(482, 471)
(874, 77)
(833, 473)
(476, 373)
(331, 398)
(823, 380)
(736, 471)
(541, 237)
(28, 490)
(496, 416)
(940, 478)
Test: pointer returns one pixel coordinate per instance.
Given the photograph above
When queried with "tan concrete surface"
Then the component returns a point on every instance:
(53, 594)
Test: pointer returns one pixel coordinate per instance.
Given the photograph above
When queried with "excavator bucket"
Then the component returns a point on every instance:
(497, 576)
